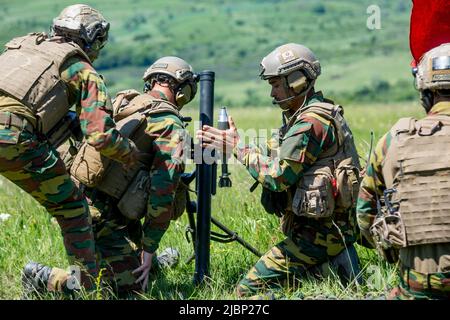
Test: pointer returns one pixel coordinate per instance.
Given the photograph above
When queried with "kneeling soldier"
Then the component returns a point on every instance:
(409, 173)
(309, 174)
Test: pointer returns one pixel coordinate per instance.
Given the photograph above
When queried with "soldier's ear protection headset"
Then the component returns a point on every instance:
(147, 86)
(426, 96)
(297, 81)
(302, 78)
(95, 36)
(186, 90)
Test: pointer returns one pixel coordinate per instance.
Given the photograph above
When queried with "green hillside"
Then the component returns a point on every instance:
(231, 37)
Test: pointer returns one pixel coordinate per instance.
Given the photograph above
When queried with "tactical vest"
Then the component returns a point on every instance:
(417, 166)
(30, 72)
(129, 187)
(332, 183)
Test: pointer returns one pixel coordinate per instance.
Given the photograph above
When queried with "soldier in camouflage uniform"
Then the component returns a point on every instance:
(298, 172)
(171, 84)
(125, 248)
(409, 173)
(41, 78)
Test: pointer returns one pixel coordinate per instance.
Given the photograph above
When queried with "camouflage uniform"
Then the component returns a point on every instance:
(117, 243)
(32, 163)
(309, 242)
(119, 240)
(424, 269)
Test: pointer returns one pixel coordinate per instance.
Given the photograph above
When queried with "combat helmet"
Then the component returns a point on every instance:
(433, 73)
(84, 25)
(296, 63)
(178, 73)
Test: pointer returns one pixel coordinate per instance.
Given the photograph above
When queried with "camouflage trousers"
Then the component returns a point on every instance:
(117, 245)
(419, 286)
(286, 263)
(35, 166)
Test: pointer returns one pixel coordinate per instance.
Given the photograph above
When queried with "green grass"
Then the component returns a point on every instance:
(30, 233)
(362, 69)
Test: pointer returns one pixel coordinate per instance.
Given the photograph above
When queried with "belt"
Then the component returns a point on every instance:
(9, 119)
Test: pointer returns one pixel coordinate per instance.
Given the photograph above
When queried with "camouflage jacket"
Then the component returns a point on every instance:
(87, 92)
(286, 157)
(167, 132)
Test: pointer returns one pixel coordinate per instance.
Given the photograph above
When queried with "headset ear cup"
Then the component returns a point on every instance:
(426, 98)
(297, 81)
(181, 99)
(183, 95)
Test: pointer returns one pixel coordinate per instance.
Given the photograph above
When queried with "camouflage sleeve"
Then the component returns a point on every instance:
(88, 92)
(372, 186)
(284, 165)
(166, 170)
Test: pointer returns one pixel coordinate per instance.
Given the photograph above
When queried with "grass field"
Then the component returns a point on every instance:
(30, 233)
(364, 69)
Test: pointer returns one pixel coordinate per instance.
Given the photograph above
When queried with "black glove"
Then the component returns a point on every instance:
(274, 202)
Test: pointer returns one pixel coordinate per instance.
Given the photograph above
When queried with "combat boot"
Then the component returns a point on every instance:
(35, 278)
(168, 258)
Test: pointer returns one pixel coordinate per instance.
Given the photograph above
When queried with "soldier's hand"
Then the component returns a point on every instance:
(144, 269)
(222, 140)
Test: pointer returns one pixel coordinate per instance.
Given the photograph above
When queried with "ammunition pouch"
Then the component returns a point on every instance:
(89, 166)
(133, 203)
(388, 233)
(313, 197)
(347, 184)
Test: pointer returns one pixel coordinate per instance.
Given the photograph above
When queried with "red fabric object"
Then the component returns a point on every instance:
(429, 27)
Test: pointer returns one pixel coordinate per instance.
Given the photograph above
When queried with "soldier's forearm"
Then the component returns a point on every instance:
(152, 237)
(112, 145)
